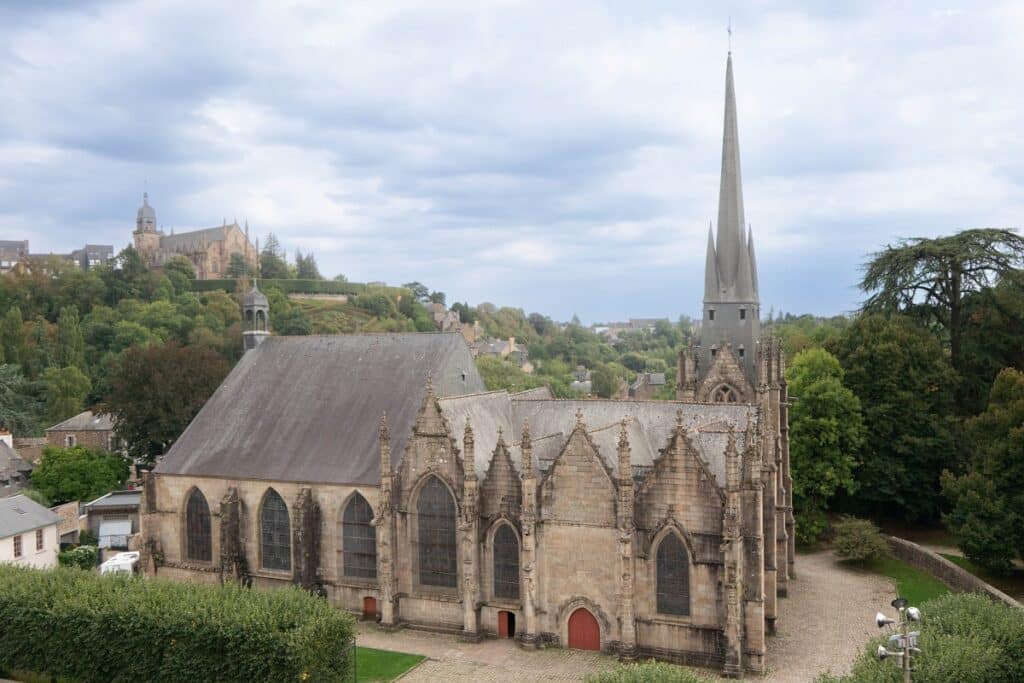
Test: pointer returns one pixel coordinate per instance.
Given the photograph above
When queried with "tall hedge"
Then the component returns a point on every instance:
(100, 629)
(286, 286)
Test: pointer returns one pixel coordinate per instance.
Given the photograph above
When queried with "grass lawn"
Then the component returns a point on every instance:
(911, 583)
(1012, 585)
(383, 665)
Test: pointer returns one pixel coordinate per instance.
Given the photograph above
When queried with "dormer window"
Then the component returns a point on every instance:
(711, 316)
(741, 352)
(743, 315)
(714, 351)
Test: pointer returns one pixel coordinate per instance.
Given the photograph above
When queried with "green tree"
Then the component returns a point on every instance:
(274, 260)
(930, 278)
(66, 390)
(180, 272)
(70, 343)
(12, 336)
(607, 378)
(498, 374)
(239, 267)
(306, 268)
(905, 386)
(78, 473)
(17, 407)
(156, 390)
(419, 290)
(994, 328)
(826, 435)
(988, 499)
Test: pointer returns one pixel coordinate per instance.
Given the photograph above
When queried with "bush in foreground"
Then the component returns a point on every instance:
(858, 540)
(83, 557)
(152, 630)
(647, 672)
(964, 637)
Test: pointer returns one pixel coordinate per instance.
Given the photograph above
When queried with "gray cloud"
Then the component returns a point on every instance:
(562, 159)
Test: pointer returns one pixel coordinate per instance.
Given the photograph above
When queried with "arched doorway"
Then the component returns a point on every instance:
(584, 632)
(506, 624)
(369, 608)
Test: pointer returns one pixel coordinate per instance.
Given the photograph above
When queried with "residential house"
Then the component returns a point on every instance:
(646, 385)
(14, 470)
(92, 256)
(505, 349)
(113, 518)
(92, 430)
(12, 252)
(28, 533)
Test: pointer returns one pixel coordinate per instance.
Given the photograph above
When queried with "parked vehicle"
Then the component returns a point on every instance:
(122, 563)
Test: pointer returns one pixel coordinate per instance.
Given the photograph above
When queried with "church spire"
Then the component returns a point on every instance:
(711, 269)
(733, 258)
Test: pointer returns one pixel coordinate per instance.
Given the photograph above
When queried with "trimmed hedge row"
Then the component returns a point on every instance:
(286, 286)
(93, 629)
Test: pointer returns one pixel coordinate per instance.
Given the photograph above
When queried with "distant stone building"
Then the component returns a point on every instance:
(377, 470)
(15, 470)
(92, 430)
(209, 250)
(92, 256)
(646, 385)
(12, 252)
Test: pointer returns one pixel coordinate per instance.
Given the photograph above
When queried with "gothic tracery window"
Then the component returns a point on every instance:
(275, 533)
(197, 528)
(724, 394)
(435, 511)
(673, 580)
(506, 563)
(359, 539)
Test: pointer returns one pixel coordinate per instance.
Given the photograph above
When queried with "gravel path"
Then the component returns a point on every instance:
(823, 625)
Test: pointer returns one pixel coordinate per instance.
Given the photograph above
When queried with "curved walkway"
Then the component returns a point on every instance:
(823, 625)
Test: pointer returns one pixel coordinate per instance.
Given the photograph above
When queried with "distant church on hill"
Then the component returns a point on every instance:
(209, 250)
(378, 470)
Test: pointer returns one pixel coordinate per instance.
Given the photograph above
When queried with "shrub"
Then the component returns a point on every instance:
(858, 540)
(647, 672)
(153, 630)
(84, 557)
(379, 305)
(964, 637)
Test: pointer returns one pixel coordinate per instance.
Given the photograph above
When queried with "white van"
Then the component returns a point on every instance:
(122, 563)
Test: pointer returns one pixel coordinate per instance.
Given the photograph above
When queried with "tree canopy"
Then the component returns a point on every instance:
(78, 473)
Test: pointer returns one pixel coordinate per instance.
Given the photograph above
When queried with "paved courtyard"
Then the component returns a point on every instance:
(822, 626)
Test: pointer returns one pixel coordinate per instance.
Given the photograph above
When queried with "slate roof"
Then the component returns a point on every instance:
(307, 409)
(116, 499)
(649, 425)
(19, 514)
(195, 238)
(85, 421)
(14, 470)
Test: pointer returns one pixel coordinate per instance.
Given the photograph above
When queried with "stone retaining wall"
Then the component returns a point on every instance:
(954, 576)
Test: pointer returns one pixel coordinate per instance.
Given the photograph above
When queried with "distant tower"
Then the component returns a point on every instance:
(731, 303)
(146, 236)
(255, 318)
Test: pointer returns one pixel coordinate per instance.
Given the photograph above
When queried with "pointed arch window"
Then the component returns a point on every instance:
(435, 512)
(198, 544)
(275, 533)
(724, 394)
(506, 563)
(673, 580)
(359, 539)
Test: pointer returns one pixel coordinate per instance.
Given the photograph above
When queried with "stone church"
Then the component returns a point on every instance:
(377, 470)
(209, 250)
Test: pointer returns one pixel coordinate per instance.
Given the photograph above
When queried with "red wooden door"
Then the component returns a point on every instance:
(370, 608)
(503, 625)
(584, 633)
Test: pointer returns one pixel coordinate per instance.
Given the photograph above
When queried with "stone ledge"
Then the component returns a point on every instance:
(954, 576)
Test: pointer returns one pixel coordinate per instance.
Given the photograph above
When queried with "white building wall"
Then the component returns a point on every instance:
(30, 557)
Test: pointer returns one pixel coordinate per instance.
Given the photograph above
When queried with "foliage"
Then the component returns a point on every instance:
(12, 336)
(964, 637)
(916, 585)
(608, 378)
(156, 390)
(273, 260)
(78, 473)
(993, 329)
(383, 665)
(650, 671)
(988, 499)
(155, 630)
(929, 279)
(858, 540)
(17, 407)
(37, 496)
(83, 557)
(419, 290)
(826, 434)
(377, 304)
(497, 374)
(905, 386)
(801, 332)
(239, 267)
(70, 344)
(66, 390)
(287, 286)
(305, 267)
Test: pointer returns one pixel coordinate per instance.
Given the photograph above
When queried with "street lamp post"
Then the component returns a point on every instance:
(903, 640)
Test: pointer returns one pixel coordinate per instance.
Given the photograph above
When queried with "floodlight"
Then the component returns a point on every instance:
(900, 603)
(882, 652)
(881, 620)
(913, 614)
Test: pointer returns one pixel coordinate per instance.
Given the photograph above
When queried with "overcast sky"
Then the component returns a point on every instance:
(561, 157)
